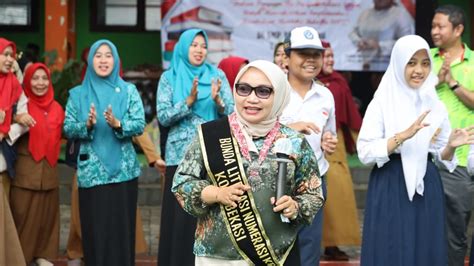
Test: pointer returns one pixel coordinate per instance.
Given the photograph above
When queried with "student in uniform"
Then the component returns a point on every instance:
(405, 127)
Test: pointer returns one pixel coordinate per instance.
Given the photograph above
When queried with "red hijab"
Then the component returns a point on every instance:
(231, 66)
(10, 89)
(347, 115)
(45, 135)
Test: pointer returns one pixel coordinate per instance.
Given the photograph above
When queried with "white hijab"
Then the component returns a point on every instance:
(403, 105)
(281, 88)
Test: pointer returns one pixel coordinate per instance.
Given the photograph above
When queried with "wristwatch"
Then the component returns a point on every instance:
(455, 86)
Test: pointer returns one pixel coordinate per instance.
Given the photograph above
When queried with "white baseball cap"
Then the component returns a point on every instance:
(303, 38)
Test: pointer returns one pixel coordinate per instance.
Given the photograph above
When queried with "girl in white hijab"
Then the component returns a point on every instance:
(404, 127)
(261, 93)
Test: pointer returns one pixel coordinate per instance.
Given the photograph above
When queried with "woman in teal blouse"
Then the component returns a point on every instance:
(190, 93)
(104, 112)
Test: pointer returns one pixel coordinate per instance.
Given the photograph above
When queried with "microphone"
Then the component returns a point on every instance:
(283, 149)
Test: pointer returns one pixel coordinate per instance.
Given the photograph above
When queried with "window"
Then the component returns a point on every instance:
(18, 15)
(126, 15)
(153, 15)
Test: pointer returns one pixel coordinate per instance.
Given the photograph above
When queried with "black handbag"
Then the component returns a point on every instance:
(72, 152)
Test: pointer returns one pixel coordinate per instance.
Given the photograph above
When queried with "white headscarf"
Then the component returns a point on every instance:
(281, 88)
(403, 105)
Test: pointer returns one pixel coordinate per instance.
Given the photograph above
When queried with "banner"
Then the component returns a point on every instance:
(361, 32)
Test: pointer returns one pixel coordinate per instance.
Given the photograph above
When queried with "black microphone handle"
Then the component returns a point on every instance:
(281, 180)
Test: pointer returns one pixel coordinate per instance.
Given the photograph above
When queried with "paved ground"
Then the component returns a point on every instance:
(151, 228)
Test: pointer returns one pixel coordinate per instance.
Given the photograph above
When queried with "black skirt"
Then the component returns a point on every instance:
(108, 216)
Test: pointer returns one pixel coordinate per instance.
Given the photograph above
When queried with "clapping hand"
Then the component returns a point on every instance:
(194, 91)
(92, 117)
(444, 74)
(110, 118)
(215, 89)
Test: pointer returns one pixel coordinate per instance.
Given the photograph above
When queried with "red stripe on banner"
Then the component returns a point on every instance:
(166, 6)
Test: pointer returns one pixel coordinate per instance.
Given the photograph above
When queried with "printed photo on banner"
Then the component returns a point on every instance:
(362, 32)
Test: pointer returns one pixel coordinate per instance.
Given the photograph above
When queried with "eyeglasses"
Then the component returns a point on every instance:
(262, 92)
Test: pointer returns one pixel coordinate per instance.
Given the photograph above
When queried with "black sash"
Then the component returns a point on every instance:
(224, 167)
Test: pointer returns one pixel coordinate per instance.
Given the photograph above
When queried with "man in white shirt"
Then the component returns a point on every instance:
(310, 111)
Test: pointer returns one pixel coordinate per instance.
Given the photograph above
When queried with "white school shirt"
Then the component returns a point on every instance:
(317, 107)
(16, 130)
(372, 141)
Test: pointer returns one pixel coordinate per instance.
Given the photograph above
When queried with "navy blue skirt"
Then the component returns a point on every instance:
(402, 232)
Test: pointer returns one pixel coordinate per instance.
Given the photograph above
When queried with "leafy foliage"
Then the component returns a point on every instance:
(66, 79)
